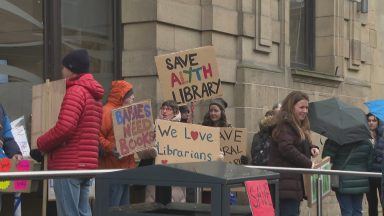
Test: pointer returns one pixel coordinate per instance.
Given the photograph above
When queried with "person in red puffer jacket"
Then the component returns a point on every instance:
(73, 142)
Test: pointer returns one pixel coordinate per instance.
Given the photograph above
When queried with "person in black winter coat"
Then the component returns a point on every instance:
(291, 146)
(377, 158)
(261, 140)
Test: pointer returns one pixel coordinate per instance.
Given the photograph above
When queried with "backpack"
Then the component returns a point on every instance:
(261, 145)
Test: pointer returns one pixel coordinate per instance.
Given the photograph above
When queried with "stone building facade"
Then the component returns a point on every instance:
(257, 47)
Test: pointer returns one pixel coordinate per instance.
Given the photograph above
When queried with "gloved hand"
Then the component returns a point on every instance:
(244, 160)
(36, 155)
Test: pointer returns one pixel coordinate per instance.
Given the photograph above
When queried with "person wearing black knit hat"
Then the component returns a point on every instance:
(220, 102)
(76, 62)
(73, 141)
(215, 117)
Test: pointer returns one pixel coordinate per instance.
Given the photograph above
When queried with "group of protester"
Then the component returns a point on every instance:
(284, 141)
(83, 138)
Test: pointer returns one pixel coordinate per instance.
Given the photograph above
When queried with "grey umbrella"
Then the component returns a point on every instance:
(338, 121)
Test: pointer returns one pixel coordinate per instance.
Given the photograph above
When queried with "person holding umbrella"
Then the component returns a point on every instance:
(349, 147)
(377, 159)
(292, 147)
(353, 157)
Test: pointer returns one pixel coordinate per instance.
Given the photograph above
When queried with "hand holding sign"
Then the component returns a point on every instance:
(133, 128)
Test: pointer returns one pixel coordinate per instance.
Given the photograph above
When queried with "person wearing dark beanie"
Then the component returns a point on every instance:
(77, 61)
(216, 117)
(73, 142)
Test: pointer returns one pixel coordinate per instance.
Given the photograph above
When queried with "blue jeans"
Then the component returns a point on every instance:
(72, 196)
(350, 204)
(289, 207)
(118, 194)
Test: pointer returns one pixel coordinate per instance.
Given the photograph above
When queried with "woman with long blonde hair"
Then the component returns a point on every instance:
(292, 147)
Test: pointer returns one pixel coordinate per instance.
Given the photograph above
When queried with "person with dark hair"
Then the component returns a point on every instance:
(169, 110)
(186, 117)
(185, 112)
(262, 140)
(377, 160)
(292, 147)
(72, 143)
(121, 94)
(215, 117)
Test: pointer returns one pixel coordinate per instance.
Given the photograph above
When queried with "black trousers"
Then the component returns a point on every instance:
(374, 191)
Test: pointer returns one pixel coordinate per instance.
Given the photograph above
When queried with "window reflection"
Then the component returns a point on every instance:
(21, 54)
(88, 24)
(21, 41)
(301, 33)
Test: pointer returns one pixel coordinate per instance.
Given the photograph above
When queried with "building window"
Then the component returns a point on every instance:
(301, 33)
(21, 54)
(35, 34)
(89, 24)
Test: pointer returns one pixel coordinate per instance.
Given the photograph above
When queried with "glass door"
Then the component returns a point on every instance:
(89, 24)
(21, 54)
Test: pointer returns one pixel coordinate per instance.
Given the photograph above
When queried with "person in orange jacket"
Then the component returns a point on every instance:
(121, 94)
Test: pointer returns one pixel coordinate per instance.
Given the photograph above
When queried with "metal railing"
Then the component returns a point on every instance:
(40, 175)
(319, 181)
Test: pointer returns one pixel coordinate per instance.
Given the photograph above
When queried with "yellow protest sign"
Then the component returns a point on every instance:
(133, 127)
(180, 142)
(233, 143)
(189, 75)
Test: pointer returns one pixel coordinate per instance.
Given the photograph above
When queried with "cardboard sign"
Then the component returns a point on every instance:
(180, 142)
(133, 128)
(46, 104)
(259, 198)
(310, 184)
(9, 165)
(189, 75)
(233, 143)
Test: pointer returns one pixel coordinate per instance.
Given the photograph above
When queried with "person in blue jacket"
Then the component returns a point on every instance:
(7, 143)
(377, 159)
(8, 146)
